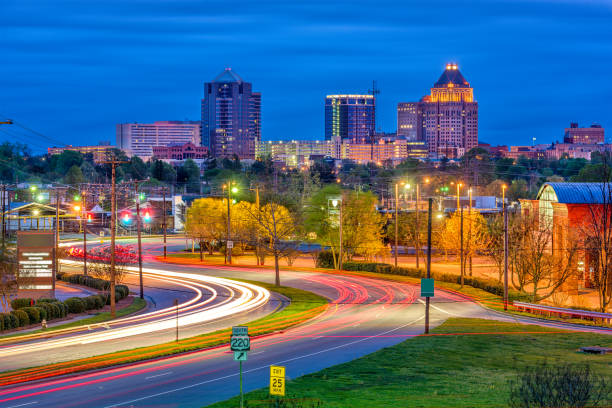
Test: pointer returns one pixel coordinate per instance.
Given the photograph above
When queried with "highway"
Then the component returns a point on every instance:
(365, 315)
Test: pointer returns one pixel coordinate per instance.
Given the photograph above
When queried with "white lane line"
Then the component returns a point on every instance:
(439, 309)
(266, 366)
(23, 405)
(158, 375)
(259, 352)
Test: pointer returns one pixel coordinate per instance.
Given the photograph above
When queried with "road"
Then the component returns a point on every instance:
(365, 315)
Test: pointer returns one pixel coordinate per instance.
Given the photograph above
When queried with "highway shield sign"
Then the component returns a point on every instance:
(240, 343)
(277, 380)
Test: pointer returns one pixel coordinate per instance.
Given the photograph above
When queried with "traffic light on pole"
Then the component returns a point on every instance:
(147, 216)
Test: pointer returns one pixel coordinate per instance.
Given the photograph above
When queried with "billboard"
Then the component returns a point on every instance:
(36, 264)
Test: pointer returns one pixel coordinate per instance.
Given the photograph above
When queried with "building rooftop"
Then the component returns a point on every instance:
(228, 76)
(451, 75)
(580, 193)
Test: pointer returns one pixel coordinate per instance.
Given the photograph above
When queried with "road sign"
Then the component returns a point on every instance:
(427, 287)
(240, 356)
(240, 340)
(230, 244)
(277, 380)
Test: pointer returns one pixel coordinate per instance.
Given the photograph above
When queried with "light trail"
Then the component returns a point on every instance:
(244, 297)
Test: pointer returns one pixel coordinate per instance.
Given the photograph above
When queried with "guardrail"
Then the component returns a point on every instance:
(571, 313)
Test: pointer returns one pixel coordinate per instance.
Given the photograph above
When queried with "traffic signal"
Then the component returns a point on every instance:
(126, 218)
(147, 216)
(89, 217)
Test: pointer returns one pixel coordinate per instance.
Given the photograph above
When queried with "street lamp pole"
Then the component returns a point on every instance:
(83, 214)
(396, 222)
(138, 229)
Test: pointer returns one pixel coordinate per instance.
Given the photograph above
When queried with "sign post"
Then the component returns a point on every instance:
(240, 343)
(277, 380)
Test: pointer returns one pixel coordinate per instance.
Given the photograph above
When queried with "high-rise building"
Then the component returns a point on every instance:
(138, 139)
(578, 135)
(409, 121)
(447, 119)
(231, 116)
(350, 117)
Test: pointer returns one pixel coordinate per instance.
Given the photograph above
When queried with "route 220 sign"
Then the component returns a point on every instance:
(240, 340)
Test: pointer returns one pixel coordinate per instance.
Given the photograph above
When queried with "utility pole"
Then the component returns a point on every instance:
(56, 236)
(228, 249)
(113, 164)
(505, 258)
(417, 234)
(462, 260)
(340, 252)
(396, 222)
(164, 220)
(258, 247)
(3, 211)
(84, 221)
(429, 211)
(138, 228)
(470, 230)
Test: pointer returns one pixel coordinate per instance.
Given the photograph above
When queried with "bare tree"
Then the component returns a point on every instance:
(534, 262)
(8, 279)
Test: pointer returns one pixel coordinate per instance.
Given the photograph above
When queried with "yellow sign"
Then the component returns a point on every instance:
(277, 380)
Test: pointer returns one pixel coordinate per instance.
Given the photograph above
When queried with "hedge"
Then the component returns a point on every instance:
(75, 305)
(21, 302)
(34, 314)
(325, 259)
(22, 318)
(490, 286)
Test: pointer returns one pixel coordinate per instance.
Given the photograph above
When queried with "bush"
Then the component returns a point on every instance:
(63, 311)
(123, 290)
(75, 305)
(33, 314)
(48, 308)
(10, 321)
(325, 259)
(21, 318)
(46, 300)
(93, 302)
(21, 303)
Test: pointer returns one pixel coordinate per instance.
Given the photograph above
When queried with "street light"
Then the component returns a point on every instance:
(504, 187)
(228, 242)
(337, 202)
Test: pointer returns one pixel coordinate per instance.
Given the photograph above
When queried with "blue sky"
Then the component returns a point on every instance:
(71, 70)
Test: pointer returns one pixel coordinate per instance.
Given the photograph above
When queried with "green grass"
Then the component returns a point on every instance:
(136, 305)
(304, 305)
(444, 370)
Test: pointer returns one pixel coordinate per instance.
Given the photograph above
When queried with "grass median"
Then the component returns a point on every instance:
(462, 363)
(303, 307)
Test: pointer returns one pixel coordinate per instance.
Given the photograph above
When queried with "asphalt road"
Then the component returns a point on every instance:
(365, 315)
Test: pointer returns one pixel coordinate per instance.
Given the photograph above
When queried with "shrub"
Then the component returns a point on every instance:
(48, 308)
(93, 302)
(21, 302)
(74, 305)
(21, 318)
(1, 322)
(33, 314)
(10, 321)
(325, 259)
(62, 309)
(46, 300)
(43, 313)
(123, 290)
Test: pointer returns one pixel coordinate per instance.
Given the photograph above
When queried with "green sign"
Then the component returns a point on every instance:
(240, 355)
(427, 287)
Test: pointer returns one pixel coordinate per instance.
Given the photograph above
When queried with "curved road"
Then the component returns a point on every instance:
(365, 315)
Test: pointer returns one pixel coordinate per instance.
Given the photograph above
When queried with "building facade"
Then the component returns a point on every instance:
(180, 152)
(138, 139)
(231, 116)
(99, 152)
(350, 117)
(409, 124)
(447, 118)
(577, 135)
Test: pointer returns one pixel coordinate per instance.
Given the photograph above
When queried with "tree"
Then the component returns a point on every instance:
(535, 263)
(205, 222)
(475, 239)
(74, 176)
(192, 173)
(8, 279)
(277, 227)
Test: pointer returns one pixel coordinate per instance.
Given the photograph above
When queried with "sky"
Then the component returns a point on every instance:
(71, 70)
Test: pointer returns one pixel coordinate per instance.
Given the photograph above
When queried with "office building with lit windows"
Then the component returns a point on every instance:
(588, 135)
(409, 121)
(447, 119)
(350, 117)
(231, 116)
(138, 139)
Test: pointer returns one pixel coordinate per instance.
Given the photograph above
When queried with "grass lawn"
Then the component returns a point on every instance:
(136, 305)
(450, 368)
(304, 306)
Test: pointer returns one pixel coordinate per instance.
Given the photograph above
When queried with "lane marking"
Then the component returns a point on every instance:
(439, 309)
(264, 367)
(158, 375)
(23, 405)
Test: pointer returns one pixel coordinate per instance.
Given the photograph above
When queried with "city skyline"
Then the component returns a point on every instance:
(98, 58)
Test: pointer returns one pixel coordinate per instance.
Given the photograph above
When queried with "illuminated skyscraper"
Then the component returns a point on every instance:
(447, 119)
(350, 117)
(231, 116)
